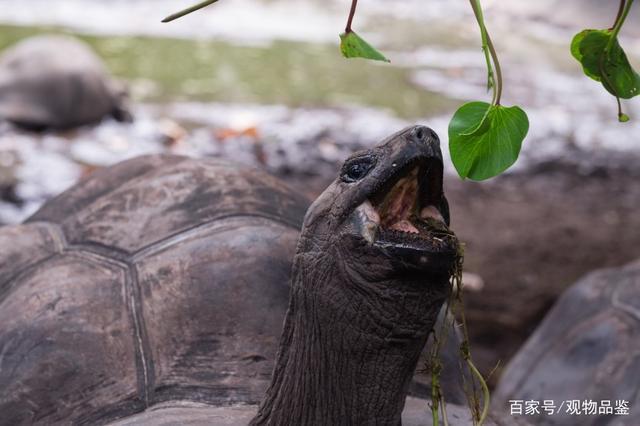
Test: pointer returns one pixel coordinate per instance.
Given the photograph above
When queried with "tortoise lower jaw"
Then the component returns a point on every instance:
(435, 252)
(417, 258)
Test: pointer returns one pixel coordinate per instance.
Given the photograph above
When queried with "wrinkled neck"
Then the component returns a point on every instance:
(335, 366)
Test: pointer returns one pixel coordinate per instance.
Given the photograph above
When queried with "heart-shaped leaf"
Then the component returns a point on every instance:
(485, 139)
(354, 46)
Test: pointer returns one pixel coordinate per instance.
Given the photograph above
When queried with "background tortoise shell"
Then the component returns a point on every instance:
(587, 348)
(108, 293)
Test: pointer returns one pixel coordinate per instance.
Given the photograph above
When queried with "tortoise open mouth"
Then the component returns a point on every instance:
(406, 211)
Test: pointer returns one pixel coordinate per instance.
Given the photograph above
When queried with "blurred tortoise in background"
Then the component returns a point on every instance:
(586, 349)
(57, 82)
(164, 280)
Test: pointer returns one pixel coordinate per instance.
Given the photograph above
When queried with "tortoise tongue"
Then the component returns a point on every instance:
(405, 226)
(399, 203)
(400, 210)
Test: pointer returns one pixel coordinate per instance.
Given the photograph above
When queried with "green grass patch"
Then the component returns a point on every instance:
(291, 73)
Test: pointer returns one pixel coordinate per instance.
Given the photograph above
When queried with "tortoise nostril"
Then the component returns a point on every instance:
(422, 133)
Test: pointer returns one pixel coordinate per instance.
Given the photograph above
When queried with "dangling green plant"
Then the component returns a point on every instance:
(354, 46)
(454, 314)
(485, 138)
(479, 414)
(603, 60)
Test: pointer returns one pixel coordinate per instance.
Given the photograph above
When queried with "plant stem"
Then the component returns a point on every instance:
(496, 62)
(434, 414)
(616, 29)
(466, 355)
(485, 392)
(188, 10)
(620, 113)
(605, 78)
(478, 416)
(352, 13)
(436, 368)
(436, 397)
(478, 14)
(619, 14)
(489, 54)
(623, 11)
(445, 420)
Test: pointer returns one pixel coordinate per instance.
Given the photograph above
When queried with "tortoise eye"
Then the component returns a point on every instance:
(356, 169)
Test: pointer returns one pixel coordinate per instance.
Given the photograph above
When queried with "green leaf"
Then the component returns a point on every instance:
(577, 53)
(611, 68)
(590, 55)
(485, 139)
(575, 44)
(353, 46)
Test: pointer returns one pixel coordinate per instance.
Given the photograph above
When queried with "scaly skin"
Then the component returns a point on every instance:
(360, 308)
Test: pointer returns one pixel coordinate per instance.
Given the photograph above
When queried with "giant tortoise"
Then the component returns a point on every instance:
(582, 364)
(157, 288)
(57, 82)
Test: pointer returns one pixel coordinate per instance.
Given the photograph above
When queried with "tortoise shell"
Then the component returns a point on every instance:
(56, 82)
(586, 349)
(108, 294)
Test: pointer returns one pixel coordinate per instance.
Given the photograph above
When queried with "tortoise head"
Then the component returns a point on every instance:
(386, 212)
(370, 274)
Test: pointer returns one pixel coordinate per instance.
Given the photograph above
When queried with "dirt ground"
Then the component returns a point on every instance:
(529, 236)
